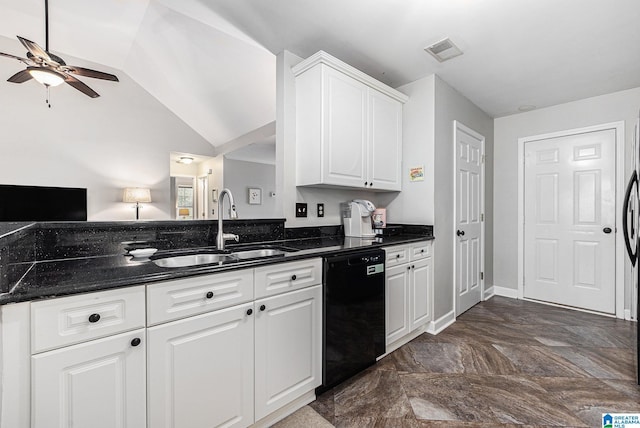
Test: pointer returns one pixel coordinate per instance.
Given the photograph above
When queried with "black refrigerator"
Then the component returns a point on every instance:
(630, 224)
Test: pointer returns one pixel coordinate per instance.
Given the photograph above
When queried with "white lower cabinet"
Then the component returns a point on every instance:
(201, 370)
(409, 291)
(97, 384)
(288, 349)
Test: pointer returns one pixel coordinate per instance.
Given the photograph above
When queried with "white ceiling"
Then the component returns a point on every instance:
(213, 62)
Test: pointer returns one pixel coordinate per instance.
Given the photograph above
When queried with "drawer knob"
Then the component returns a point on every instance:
(136, 341)
(249, 311)
(366, 183)
(263, 307)
(371, 184)
(94, 318)
(408, 267)
(397, 256)
(209, 294)
(422, 251)
(293, 277)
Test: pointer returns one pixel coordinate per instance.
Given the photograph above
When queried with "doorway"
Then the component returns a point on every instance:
(568, 199)
(468, 231)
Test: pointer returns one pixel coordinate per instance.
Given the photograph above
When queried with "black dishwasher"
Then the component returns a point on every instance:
(354, 320)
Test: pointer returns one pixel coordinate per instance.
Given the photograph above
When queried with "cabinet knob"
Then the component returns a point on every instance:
(293, 277)
(366, 183)
(408, 267)
(136, 341)
(249, 311)
(422, 251)
(413, 266)
(371, 184)
(397, 256)
(94, 318)
(263, 307)
(209, 294)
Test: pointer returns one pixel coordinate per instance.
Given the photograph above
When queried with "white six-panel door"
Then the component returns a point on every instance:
(569, 220)
(468, 220)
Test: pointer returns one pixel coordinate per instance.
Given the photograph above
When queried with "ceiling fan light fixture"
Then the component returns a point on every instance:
(45, 76)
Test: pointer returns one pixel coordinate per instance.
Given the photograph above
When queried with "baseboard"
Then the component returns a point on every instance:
(627, 315)
(286, 410)
(489, 293)
(505, 292)
(441, 323)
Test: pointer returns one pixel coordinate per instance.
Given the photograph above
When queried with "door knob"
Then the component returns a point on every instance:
(607, 230)
(460, 232)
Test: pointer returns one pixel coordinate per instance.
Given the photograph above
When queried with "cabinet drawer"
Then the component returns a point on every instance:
(397, 255)
(67, 320)
(420, 250)
(276, 279)
(191, 296)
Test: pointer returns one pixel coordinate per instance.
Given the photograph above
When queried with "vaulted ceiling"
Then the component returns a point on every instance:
(212, 62)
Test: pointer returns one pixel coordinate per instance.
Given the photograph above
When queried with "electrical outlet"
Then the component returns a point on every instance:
(301, 209)
(320, 210)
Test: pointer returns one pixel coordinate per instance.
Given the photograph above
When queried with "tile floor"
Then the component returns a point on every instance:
(503, 363)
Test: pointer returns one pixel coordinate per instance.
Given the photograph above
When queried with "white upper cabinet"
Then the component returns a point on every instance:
(348, 127)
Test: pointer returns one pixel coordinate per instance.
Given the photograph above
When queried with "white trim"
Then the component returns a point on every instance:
(627, 314)
(286, 410)
(620, 182)
(322, 57)
(511, 293)
(489, 293)
(441, 323)
(403, 340)
(457, 125)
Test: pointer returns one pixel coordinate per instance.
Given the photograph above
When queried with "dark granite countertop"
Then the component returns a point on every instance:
(54, 278)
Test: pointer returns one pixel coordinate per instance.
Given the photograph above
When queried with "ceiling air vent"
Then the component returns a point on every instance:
(443, 50)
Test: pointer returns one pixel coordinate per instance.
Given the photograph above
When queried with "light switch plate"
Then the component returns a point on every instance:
(301, 209)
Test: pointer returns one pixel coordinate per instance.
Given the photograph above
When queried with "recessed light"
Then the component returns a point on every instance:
(185, 160)
(526, 108)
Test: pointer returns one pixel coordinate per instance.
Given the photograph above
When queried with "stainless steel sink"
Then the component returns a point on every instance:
(193, 260)
(254, 254)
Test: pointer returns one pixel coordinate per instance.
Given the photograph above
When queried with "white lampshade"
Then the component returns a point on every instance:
(136, 194)
(45, 76)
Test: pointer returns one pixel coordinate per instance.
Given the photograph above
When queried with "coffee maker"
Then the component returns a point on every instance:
(356, 216)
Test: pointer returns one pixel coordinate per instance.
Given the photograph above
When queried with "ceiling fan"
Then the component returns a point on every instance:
(51, 70)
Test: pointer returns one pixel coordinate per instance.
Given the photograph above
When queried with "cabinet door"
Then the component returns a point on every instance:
(344, 130)
(201, 370)
(396, 304)
(97, 384)
(385, 142)
(420, 303)
(288, 348)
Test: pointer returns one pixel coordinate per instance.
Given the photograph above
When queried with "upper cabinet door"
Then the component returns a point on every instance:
(344, 130)
(385, 136)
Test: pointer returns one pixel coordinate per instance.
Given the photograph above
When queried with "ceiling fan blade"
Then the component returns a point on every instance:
(20, 77)
(80, 86)
(80, 71)
(34, 48)
(24, 60)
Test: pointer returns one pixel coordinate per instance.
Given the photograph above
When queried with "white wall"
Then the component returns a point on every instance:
(623, 105)
(121, 139)
(288, 193)
(450, 105)
(239, 176)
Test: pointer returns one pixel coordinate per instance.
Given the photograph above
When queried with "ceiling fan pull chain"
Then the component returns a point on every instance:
(48, 95)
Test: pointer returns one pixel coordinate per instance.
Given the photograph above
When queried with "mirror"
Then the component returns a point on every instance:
(249, 172)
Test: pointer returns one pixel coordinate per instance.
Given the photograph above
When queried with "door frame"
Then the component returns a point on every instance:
(457, 125)
(619, 285)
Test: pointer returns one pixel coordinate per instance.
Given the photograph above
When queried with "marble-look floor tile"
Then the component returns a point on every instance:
(629, 388)
(324, 405)
(588, 398)
(484, 399)
(604, 363)
(375, 393)
(464, 332)
(478, 357)
(604, 337)
(539, 361)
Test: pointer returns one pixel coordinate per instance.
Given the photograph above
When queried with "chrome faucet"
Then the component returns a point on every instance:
(222, 237)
